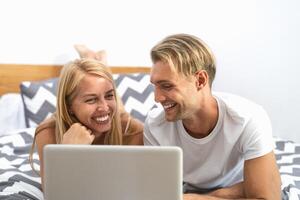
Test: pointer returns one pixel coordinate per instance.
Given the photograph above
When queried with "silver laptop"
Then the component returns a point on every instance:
(79, 172)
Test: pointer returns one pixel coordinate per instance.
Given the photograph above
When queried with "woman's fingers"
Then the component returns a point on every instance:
(78, 134)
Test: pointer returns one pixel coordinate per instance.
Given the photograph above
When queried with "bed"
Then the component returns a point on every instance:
(27, 96)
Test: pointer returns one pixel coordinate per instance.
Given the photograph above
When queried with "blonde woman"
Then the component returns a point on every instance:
(88, 111)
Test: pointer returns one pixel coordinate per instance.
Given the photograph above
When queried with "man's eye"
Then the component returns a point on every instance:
(167, 86)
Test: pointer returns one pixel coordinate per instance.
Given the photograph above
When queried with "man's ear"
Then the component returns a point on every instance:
(201, 79)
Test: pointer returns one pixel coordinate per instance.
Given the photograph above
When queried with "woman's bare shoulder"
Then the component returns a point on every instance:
(130, 125)
(132, 130)
(45, 136)
(45, 132)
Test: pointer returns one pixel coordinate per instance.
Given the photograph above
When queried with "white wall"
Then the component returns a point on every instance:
(255, 41)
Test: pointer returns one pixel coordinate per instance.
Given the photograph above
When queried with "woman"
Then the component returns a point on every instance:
(88, 111)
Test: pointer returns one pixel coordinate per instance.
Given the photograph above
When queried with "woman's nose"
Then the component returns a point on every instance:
(102, 105)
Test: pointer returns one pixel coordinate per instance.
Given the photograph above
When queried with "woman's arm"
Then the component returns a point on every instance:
(44, 137)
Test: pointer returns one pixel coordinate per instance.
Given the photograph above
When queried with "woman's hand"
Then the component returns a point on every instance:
(78, 134)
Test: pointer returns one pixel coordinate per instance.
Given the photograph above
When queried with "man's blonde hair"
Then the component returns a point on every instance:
(186, 54)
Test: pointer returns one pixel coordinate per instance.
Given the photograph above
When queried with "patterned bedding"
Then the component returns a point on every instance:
(19, 181)
(288, 161)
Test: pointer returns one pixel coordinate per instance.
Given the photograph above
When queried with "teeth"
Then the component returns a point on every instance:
(169, 105)
(102, 119)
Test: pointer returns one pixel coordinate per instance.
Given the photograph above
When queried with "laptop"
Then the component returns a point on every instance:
(107, 172)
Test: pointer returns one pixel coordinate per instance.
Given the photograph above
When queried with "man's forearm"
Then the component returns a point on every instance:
(234, 192)
(207, 197)
(199, 197)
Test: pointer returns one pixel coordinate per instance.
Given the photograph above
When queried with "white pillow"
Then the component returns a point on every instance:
(11, 113)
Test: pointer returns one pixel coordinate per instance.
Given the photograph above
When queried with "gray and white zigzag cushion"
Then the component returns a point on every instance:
(135, 90)
(39, 98)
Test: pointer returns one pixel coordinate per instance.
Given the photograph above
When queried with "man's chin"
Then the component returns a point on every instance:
(171, 118)
(172, 115)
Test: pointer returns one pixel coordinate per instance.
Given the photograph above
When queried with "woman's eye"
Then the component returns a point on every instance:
(109, 96)
(90, 100)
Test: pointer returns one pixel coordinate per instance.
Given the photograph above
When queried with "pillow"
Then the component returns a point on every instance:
(135, 90)
(136, 93)
(39, 99)
(11, 113)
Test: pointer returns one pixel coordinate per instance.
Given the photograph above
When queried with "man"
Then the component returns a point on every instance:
(226, 140)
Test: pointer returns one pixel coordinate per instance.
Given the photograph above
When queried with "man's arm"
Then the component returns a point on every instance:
(261, 181)
(234, 192)
(262, 178)
(206, 197)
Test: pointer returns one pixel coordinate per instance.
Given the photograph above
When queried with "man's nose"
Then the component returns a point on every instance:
(158, 95)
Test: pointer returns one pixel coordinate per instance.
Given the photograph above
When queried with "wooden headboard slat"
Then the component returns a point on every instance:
(11, 75)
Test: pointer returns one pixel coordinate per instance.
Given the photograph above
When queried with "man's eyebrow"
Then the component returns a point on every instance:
(161, 82)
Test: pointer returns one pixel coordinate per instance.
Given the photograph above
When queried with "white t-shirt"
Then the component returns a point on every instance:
(243, 131)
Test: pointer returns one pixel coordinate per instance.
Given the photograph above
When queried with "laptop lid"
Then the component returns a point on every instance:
(77, 172)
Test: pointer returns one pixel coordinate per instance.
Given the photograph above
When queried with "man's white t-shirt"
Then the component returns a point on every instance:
(243, 131)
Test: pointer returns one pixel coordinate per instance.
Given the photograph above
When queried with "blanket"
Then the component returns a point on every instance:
(19, 181)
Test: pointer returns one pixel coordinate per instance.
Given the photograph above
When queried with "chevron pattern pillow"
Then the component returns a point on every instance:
(135, 90)
(39, 99)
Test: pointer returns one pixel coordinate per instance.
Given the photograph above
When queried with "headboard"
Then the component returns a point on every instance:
(11, 75)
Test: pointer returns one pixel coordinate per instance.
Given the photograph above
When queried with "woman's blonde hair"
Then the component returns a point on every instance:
(70, 76)
(186, 54)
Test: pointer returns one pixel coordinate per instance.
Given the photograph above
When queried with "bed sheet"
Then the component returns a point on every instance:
(19, 181)
(11, 113)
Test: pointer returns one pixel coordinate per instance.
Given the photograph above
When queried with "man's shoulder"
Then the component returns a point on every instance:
(237, 105)
(229, 97)
(159, 131)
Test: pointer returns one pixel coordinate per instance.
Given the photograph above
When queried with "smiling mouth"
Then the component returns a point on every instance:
(102, 119)
(168, 106)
